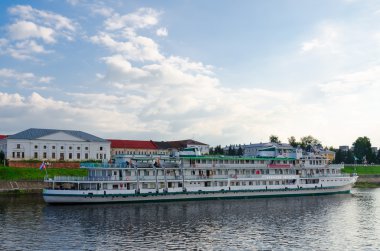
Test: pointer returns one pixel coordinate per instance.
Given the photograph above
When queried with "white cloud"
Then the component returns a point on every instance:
(33, 29)
(50, 19)
(353, 83)
(102, 10)
(24, 30)
(327, 39)
(162, 32)
(142, 18)
(26, 49)
(136, 48)
(11, 77)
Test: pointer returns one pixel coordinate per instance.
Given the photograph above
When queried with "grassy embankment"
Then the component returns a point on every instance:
(363, 171)
(11, 173)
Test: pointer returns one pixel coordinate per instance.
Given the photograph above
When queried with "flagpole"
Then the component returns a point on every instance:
(46, 173)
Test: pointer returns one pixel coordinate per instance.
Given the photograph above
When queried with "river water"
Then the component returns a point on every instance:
(334, 222)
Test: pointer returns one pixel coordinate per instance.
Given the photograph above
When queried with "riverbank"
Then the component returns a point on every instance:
(21, 187)
(25, 173)
(368, 181)
(30, 180)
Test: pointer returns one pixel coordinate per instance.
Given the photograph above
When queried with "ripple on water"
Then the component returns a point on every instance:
(347, 222)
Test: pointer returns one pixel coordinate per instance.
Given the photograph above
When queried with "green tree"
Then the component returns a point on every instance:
(211, 151)
(309, 140)
(218, 150)
(349, 157)
(339, 157)
(240, 151)
(378, 157)
(274, 139)
(231, 150)
(2, 157)
(293, 142)
(362, 150)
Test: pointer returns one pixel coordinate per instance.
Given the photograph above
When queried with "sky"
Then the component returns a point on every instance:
(220, 72)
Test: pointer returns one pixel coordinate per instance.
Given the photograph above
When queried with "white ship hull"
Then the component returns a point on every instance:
(72, 197)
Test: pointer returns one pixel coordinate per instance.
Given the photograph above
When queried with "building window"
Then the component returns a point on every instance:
(53, 155)
(13, 154)
(44, 147)
(101, 156)
(86, 155)
(61, 156)
(78, 148)
(78, 155)
(101, 148)
(45, 155)
(70, 147)
(36, 155)
(86, 148)
(35, 146)
(18, 146)
(62, 147)
(70, 155)
(53, 147)
(22, 155)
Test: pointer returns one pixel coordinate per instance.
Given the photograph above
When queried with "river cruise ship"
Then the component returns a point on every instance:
(197, 178)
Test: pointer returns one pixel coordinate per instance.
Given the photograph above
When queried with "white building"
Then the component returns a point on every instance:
(55, 145)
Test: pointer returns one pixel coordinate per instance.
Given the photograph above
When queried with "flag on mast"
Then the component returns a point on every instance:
(43, 165)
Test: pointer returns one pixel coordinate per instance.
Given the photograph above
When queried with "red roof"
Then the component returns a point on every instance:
(136, 144)
(3, 136)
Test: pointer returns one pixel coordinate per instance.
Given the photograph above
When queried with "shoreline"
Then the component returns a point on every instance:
(12, 187)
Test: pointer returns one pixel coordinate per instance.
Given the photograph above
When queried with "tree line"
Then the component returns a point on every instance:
(360, 153)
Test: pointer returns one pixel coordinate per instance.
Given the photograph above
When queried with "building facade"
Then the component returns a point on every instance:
(176, 146)
(133, 147)
(55, 145)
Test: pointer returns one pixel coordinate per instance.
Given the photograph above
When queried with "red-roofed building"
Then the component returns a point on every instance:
(133, 147)
(3, 143)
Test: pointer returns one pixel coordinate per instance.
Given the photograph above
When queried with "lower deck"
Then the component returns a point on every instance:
(207, 185)
(59, 196)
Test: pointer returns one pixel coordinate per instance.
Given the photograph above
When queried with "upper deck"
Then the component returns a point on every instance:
(217, 162)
